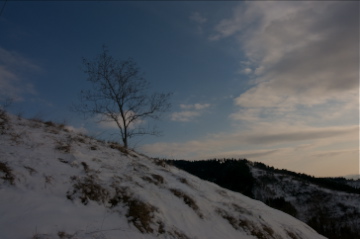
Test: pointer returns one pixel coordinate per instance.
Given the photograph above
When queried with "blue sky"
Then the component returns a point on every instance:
(275, 82)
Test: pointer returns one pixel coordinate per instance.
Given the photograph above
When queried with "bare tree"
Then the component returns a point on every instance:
(119, 94)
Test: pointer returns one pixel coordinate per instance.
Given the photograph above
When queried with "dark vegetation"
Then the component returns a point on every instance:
(281, 204)
(236, 175)
(231, 174)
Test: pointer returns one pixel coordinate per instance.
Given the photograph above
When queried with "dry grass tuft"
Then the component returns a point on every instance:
(40, 236)
(48, 179)
(178, 235)
(158, 179)
(292, 235)
(80, 138)
(86, 189)
(160, 163)
(8, 173)
(155, 179)
(86, 167)
(139, 213)
(30, 170)
(49, 124)
(232, 220)
(64, 145)
(241, 210)
(4, 122)
(119, 147)
(64, 235)
(187, 200)
(265, 232)
(16, 137)
(185, 181)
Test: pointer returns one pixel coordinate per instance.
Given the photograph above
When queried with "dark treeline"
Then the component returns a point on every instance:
(231, 173)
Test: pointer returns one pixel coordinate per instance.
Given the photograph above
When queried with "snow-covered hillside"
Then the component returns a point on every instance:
(55, 183)
(333, 213)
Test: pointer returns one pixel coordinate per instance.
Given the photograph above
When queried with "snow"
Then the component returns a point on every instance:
(342, 206)
(48, 160)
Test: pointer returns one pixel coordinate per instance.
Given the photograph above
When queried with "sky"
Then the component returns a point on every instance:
(270, 81)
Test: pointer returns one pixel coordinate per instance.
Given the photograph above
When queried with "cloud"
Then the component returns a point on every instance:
(13, 68)
(301, 108)
(303, 135)
(298, 148)
(199, 20)
(197, 17)
(189, 112)
(298, 54)
(264, 135)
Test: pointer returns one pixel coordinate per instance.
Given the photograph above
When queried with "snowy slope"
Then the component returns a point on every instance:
(55, 183)
(332, 212)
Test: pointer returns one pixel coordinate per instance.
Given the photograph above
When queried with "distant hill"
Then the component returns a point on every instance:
(58, 184)
(329, 205)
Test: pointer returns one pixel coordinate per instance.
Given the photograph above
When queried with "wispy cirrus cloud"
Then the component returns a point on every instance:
(199, 19)
(189, 112)
(265, 135)
(300, 148)
(13, 68)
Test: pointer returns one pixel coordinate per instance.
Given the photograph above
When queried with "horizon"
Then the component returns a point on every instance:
(272, 82)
